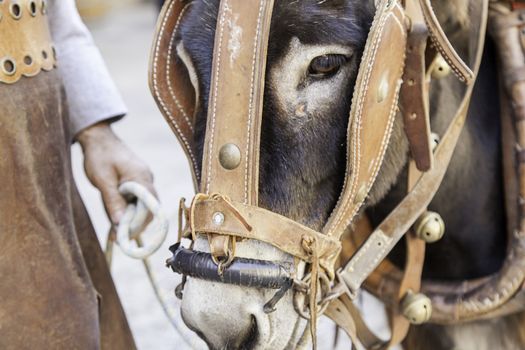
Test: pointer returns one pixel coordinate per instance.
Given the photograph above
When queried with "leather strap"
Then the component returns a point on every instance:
(414, 96)
(388, 233)
(374, 108)
(443, 45)
(411, 281)
(250, 222)
(231, 152)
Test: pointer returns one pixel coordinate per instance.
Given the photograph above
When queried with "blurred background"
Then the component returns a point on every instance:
(123, 31)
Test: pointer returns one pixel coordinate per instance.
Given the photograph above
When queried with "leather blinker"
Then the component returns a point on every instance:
(170, 81)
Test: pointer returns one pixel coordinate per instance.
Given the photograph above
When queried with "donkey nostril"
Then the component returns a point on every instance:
(251, 340)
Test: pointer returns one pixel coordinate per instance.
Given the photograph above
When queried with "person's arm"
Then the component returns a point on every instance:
(92, 95)
(94, 103)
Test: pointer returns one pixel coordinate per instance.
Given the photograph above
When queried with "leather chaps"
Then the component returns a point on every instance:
(56, 289)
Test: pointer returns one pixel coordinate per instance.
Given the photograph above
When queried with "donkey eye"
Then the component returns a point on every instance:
(326, 66)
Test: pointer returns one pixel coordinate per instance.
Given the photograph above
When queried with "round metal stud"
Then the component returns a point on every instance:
(15, 10)
(218, 218)
(230, 156)
(430, 227)
(441, 68)
(417, 308)
(382, 91)
(8, 66)
(434, 141)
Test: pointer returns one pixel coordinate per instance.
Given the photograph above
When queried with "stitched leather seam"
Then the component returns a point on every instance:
(168, 68)
(356, 156)
(382, 152)
(216, 90)
(166, 110)
(250, 108)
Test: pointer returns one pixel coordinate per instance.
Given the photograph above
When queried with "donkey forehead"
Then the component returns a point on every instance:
(325, 23)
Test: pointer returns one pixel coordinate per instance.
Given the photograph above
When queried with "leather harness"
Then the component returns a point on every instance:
(390, 79)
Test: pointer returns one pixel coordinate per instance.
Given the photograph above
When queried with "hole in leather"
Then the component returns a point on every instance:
(16, 11)
(28, 60)
(44, 7)
(32, 8)
(44, 54)
(8, 66)
(54, 51)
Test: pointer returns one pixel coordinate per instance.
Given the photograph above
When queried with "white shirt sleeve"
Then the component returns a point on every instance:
(91, 93)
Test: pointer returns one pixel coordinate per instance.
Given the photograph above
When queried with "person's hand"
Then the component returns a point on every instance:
(108, 162)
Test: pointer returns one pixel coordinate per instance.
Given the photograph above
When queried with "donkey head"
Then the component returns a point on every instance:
(313, 58)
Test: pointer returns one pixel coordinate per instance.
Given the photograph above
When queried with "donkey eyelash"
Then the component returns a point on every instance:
(327, 65)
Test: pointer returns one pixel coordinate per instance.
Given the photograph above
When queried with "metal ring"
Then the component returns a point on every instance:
(15, 10)
(11, 66)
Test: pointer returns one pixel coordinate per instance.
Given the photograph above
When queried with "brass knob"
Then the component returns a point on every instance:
(440, 69)
(230, 156)
(417, 307)
(430, 227)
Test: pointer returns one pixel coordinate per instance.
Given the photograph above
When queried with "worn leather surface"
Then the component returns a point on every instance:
(266, 226)
(56, 289)
(374, 107)
(25, 40)
(170, 82)
(235, 103)
(414, 98)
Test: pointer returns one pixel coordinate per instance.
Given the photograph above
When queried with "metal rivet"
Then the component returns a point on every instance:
(441, 68)
(8, 66)
(361, 194)
(417, 307)
(434, 141)
(430, 227)
(218, 218)
(230, 156)
(16, 11)
(382, 91)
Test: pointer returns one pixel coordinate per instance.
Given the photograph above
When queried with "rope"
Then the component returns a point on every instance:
(310, 246)
(131, 229)
(135, 218)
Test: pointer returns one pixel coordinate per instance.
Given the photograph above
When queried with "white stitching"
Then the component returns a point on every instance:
(356, 156)
(250, 108)
(168, 68)
(162, 102)
(215, 92)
